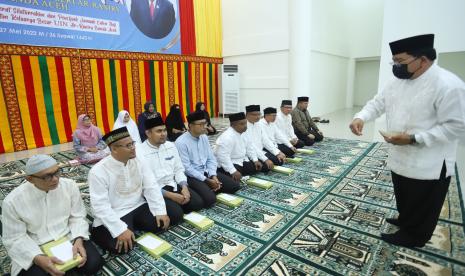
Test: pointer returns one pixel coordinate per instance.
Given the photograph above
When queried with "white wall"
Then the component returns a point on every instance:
(404, 18)
(256, 37)
(366, 81)
(454, 62)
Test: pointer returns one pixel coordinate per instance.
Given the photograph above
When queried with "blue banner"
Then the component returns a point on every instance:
(121, 25)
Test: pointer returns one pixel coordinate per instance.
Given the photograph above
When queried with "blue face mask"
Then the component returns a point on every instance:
(401, 71)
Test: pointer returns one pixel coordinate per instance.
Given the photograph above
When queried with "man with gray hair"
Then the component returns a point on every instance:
(46, 208)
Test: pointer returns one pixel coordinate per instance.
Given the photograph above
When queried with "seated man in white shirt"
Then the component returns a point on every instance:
(254, 136)
(162, 157)
(284, 123)
(270, 130)
(200, 163)
(42, 209)
(234, 155)
(124, 196)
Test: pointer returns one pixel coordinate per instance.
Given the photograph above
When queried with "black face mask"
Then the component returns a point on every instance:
(401, 72)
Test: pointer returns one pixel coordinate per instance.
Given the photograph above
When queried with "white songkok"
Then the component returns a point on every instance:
(39, 163)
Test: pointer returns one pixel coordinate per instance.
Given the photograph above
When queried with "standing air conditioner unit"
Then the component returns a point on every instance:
(230, 88)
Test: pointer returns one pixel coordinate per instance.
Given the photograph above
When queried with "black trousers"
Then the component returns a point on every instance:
(93, 264)
(211, 132)
(307, 141)
(247, 168)
(286, 150)
(175, 210)
(419, 203)
(272, 157)
(206, 193)
(139, 219)
(318, 136)
(299, 144)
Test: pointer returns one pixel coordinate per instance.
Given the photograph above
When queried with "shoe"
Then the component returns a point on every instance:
(325, 121)
(401, 239)
(393, 221)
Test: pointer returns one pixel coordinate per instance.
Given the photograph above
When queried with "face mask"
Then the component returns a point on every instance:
(401, 72)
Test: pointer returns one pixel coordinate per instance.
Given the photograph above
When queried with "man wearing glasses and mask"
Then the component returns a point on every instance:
(425, 115)
(45, 208)
(124, 196)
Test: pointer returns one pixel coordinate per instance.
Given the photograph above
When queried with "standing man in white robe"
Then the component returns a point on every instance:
(236, 157)
(162, 158)
(284, 123)
(425, 114)
(124, 196)
(45, 208)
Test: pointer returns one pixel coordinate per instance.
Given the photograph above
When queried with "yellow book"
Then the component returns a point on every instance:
(306, 151)
(153, 245)
(294, 160)
(281, 169)
(63, 250)
(199, 221)
(260, 183)
(229, 200)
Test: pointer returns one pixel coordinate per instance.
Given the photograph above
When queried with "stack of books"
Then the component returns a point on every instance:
(199, 221)
(260, 183)
(229, 200)
(154, 245)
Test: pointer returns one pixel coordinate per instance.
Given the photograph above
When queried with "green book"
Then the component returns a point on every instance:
(294, 160)
(306, 151)
(199, 221)
(260, 183)
(63, 250)
(153, 245)
(281, 169)
(229, 200)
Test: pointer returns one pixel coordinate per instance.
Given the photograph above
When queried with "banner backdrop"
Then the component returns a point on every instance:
(121, 25)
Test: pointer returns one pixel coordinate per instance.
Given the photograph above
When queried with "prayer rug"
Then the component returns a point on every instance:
(325, 218)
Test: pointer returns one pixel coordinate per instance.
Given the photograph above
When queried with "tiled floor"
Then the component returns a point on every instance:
(337, 128)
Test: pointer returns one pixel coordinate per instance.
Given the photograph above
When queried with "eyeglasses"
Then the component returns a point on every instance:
(128, 145)
(399, 63)
(49, 176)
(200, 124)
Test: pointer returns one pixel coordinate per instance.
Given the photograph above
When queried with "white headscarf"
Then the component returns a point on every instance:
(130, 125)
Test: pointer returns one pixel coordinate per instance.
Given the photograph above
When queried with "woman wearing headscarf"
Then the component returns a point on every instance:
(149, 112)
(88, 142)
(125, 120)
(174, 123)
(200, 106)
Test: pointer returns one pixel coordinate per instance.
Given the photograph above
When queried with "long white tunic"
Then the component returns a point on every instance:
(254, 135)
(284, 123)
(32, 217)
(271, 131)
(117, 189)
(164, 162)
(432, 107)
(232, 148)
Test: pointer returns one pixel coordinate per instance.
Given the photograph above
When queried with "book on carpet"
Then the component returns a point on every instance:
(153, 245)
(260, 183)
(229, 200)
(294, 160)
(306, 151)
(63, 250)
(199, 221)
(281, 169)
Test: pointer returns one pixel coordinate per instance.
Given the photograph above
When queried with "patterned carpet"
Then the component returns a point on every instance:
(323, 219)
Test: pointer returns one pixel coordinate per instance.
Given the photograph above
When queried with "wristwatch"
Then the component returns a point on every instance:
(412, 139)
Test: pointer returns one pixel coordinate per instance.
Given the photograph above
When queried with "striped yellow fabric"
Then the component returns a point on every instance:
(6, 143)
(208, 28)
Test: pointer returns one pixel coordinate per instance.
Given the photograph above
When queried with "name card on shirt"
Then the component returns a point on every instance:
(305, 151)
(154, 245)
(199, 221)
(260, 183)
(294, 160)
(284, 170)
(63, 250)
(229, 200)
